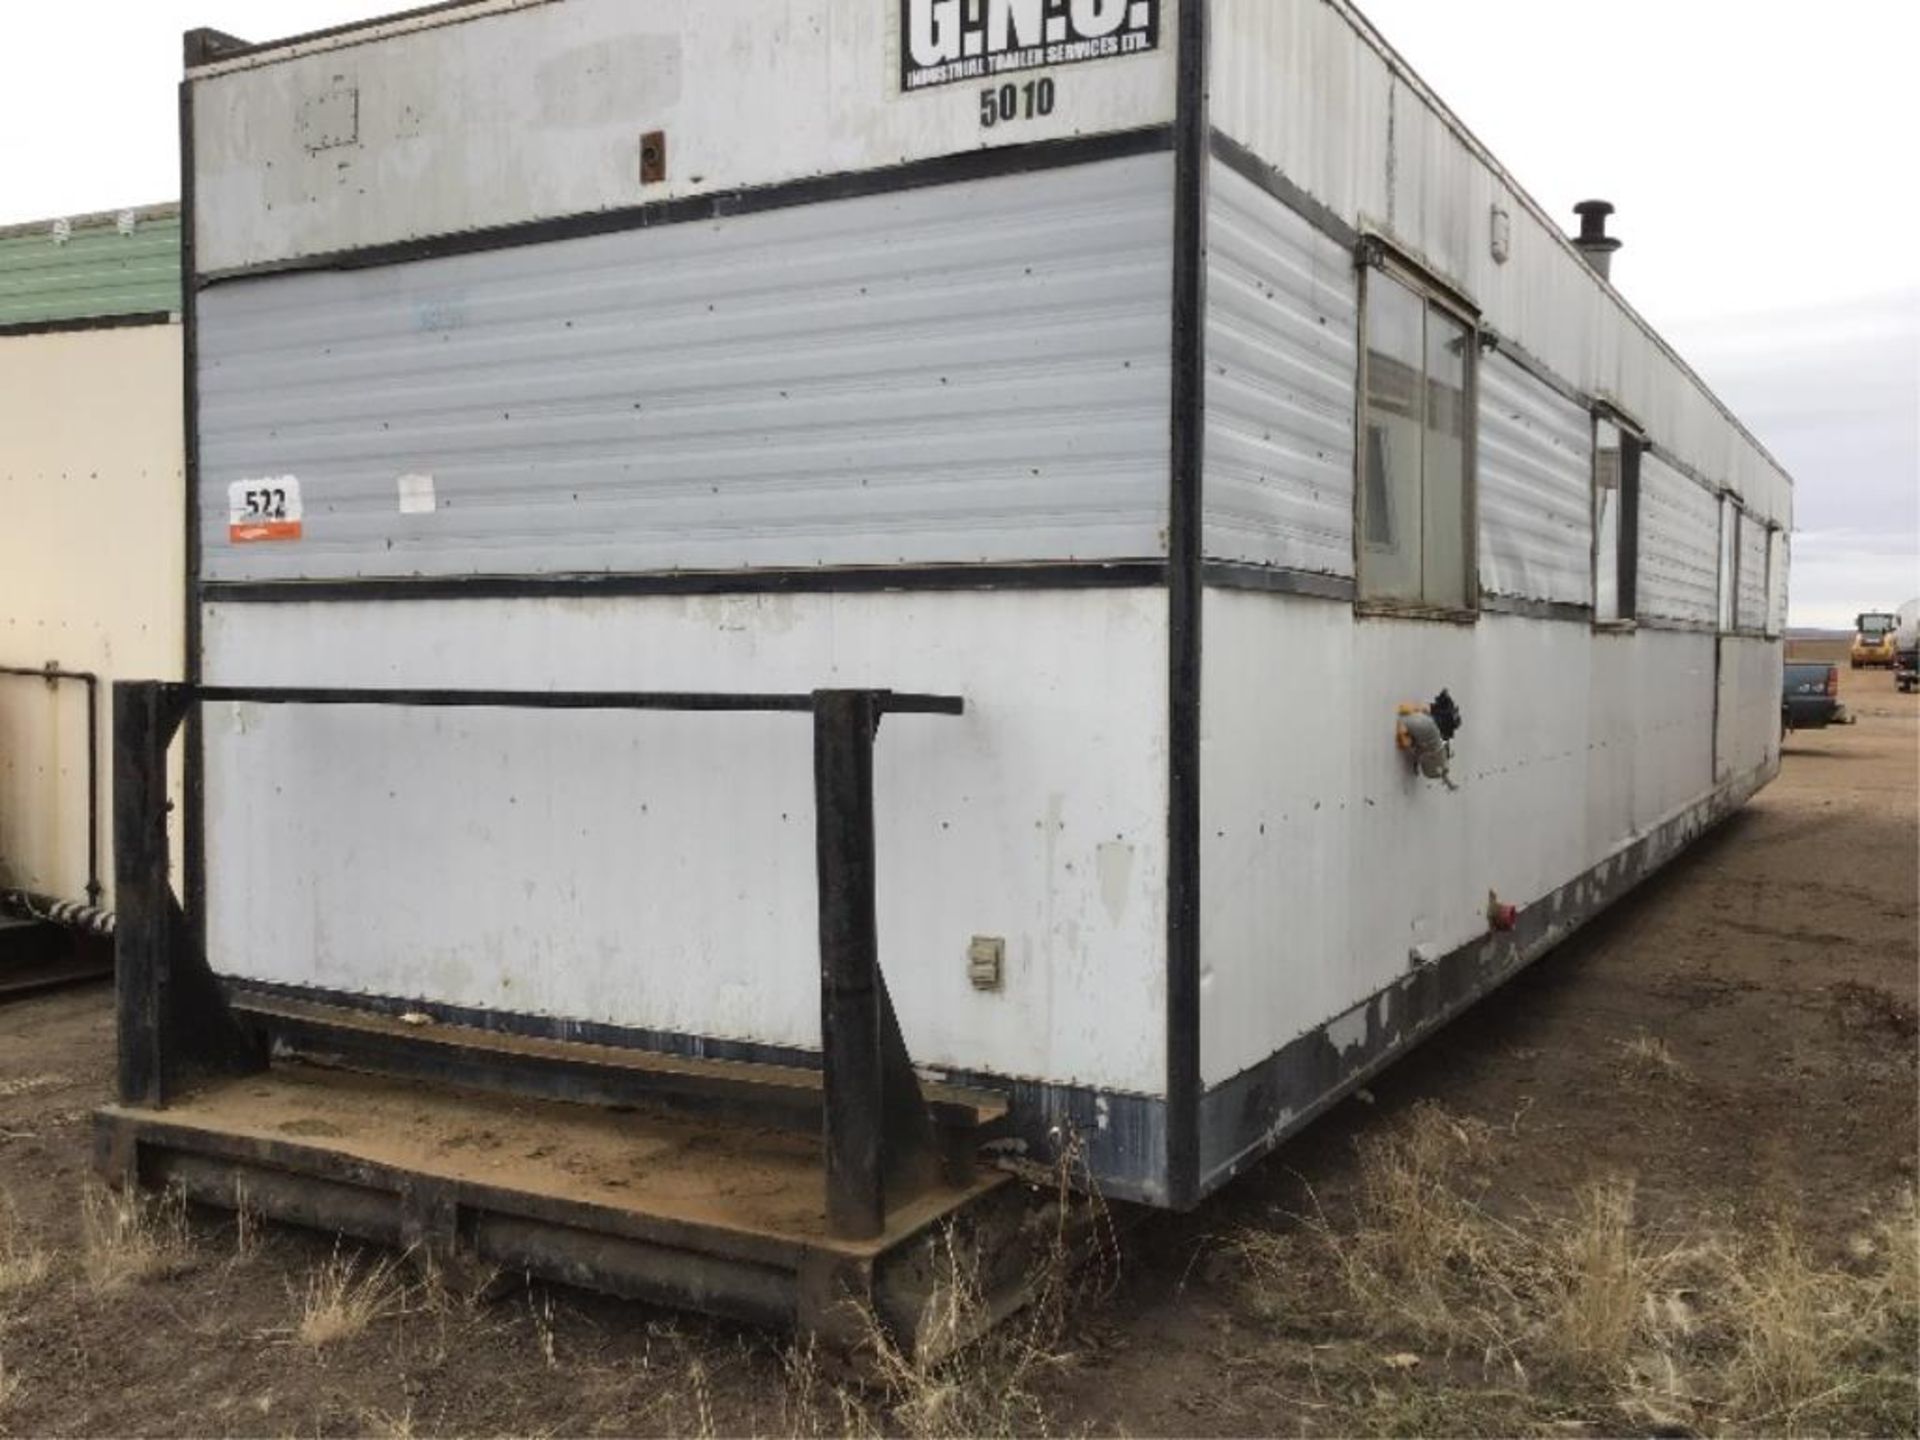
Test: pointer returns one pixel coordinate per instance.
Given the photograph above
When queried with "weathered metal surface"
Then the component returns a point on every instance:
(90, 575)
(656, 871)
(1535, 488)
(1679, 530)
(966, 373)
(1309, 87)
(1280, 337)
(1331, 868)
(538, 112)
(90, 266)
(1246, 1116)
(648, 1207)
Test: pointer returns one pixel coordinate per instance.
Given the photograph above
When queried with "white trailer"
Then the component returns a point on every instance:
(92, 541)
(1180, 384)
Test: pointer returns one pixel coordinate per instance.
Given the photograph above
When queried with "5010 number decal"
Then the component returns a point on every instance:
(1003, 104)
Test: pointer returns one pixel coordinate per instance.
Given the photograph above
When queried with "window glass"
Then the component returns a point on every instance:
(1390, 498)
(1606, 521)
(1729, 560)
(1415, 478)
(1444, 473)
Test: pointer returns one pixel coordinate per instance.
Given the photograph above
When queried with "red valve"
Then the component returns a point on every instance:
(1500, 915)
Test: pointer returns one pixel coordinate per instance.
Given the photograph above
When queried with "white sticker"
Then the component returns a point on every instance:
(416, 494)
(264, 509)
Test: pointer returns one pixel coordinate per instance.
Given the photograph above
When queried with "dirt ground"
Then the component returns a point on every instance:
(1725, 1065)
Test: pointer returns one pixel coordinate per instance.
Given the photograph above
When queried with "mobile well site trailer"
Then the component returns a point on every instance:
(91, 555)
(1169, 406)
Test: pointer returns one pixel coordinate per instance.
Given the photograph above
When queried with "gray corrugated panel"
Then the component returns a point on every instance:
(1280, 368)
(98, 270)
(1536, 487)
(1753, 574)
(1679, 542)
(974, 372)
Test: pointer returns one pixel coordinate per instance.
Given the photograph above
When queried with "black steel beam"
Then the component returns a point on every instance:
(145, 716)
(883, 702)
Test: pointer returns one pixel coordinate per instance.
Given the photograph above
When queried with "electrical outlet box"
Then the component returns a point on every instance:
(986, 961)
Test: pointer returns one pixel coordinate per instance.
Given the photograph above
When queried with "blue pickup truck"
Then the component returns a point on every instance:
(1810, 696)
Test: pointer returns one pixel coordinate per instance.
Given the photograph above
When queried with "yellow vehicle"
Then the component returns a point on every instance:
(1873, 639)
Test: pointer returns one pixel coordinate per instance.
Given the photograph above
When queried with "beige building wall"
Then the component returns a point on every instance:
(91, 573)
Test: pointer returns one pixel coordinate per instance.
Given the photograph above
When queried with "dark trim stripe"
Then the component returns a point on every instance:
(834, 580)
(1532, 609)
(74, 323)
(1245, 1117)
(1276, 580)
(193, 843)
(213, 47)
(1120, 1131)
(915, 175)
(1187, 441)
(1660, 622)
(1250, 167)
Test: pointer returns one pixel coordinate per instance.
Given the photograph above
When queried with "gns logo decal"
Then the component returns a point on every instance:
(942, 41)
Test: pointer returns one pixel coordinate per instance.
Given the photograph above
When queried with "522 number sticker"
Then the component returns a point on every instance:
(264, 509)
(1003, 104)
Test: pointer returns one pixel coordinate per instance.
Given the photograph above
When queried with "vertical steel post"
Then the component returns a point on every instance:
(145, 715)
(850, 1001)
(94, 889)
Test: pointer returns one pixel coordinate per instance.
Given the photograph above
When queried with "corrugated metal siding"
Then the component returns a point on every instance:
(1679, 530)
(1280, 369)
(1752, 614)
(96, 272)
(1303, 84)
(972, 372)
(1536, 488)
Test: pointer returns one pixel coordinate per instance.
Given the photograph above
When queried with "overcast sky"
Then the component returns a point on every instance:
(1760, 153)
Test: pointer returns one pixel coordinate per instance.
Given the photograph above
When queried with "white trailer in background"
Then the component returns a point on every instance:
(92, 547)
(1179, 384)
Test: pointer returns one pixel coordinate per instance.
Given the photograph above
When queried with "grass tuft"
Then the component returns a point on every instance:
(341, 1299)
(1577, 1317)
(132, 1237)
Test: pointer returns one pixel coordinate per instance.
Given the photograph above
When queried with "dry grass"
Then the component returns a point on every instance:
(131, 1237)
(342, 1299)
(970, 1371)
(23, 1264)
(1816, 1348)
(1649, 1057)
(1426, 1313)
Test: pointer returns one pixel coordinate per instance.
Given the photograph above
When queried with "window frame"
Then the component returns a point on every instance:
(1374, 255)
(1634, 446)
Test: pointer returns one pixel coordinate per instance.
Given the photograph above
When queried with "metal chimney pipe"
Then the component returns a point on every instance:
(1593, 240)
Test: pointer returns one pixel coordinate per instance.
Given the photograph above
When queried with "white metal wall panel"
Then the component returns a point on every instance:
(1310, 88)
(1536, 488)
(1679, 544)
(92, 560)
(1329, 868)
(1280, 338)
(537, 111)
(1748, 732)
(657, 870)
(1751, 613)
(969, 372)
